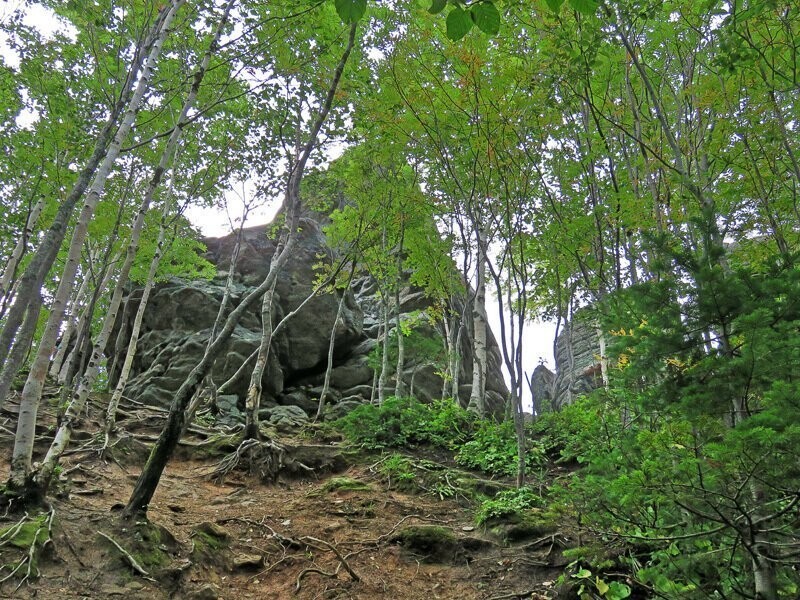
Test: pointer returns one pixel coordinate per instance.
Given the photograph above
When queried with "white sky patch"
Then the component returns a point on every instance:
(45, 21)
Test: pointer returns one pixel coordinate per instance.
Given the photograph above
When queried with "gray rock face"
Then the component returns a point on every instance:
(180, 315)
(541, 385)
(577, 367)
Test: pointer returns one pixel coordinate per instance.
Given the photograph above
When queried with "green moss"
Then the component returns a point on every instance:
(149, 549)
(519, 527)
(216, 446)
(33, 531)
(431, 543)
(210, 542)
(344, 484)
(427, 535)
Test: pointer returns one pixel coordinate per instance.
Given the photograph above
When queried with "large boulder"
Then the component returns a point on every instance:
(180, 316)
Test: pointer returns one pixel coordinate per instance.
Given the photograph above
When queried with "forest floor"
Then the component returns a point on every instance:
(341, 531)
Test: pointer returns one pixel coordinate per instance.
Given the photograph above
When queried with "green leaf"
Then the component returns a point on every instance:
(586, 7)
(350, 11)
(486, 16)
(602, 586)
(437, 6)
(555, 5)
(458, 23)
(583, 574)
(618, 591)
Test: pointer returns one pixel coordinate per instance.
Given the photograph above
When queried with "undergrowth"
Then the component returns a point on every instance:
(480, 444)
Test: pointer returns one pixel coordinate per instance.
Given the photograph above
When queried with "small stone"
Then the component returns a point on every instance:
(248, 561)
(213, 530)
(207, 592)
(468, 528)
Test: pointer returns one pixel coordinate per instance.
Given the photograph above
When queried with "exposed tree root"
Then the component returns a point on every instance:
(263, 459)
(313, 542)
(32, 534)
(132, 563)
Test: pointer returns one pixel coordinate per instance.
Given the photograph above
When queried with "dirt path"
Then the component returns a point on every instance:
(343, 535)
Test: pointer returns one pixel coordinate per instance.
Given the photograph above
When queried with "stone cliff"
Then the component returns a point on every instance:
(577, 367)
(180, 315)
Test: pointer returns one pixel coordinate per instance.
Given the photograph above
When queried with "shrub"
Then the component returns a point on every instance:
(401, 422)
(493, 449)
(508, 502)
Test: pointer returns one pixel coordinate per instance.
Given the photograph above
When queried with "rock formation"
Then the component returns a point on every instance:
(180, 315)
(577, 367)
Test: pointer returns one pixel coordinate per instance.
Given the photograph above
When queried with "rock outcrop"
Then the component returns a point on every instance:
(577, 367)
(180, 314)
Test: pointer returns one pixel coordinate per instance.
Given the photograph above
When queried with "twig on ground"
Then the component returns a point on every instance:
(508, 596)
(353, 575)
(308, 570)
(30, 558)
(128, 558)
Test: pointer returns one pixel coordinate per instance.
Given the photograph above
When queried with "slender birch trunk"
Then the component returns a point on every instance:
(456, 368)
(75, 316)
(253, 400)
(27, 294)
(168, 439)
(8, 277)
(477, 400)
(19, 351)
(32, 392)
(400, 388)
(130, 354)
(167, 158)
(332, 343)
(384, 351)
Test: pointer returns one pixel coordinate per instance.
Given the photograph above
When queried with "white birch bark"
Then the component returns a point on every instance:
(166, 160)
(32, 391)
(477, 400)
(130, 354)
(253, 399)
(10, 270)
(69, 368)
(69, 330)
(331, 345)
(385, 352)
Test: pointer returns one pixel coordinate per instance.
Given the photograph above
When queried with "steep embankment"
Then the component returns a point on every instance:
(347, 526)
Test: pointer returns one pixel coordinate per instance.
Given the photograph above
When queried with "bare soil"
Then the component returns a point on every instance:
(307, 536)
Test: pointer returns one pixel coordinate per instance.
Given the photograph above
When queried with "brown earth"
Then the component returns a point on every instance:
(342, 531)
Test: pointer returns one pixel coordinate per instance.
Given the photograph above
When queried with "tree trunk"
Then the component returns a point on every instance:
(32, 392)
(19, 351)
(384, 352)
(165, 161)
(30, 284)
(399, 388)
(60, 358)
(130, 354)
(477, 399)
(170, 435)
(9, 274)
(332, 343)
(253, 400)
